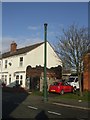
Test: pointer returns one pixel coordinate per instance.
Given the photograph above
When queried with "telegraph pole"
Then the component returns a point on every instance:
(45, 63)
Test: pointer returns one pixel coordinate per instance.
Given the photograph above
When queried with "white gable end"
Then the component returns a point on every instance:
(52, 58)
(36, 57)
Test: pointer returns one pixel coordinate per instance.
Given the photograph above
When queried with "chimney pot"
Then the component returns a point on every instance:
(13, 47)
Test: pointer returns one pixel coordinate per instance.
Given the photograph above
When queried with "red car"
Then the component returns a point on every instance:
(61, 87)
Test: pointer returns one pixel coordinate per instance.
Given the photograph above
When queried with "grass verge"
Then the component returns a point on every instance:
(75, 96)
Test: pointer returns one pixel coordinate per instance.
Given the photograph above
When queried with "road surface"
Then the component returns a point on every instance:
(20, 105)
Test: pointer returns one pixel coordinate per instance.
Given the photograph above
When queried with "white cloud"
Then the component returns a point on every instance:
(33, 27)
(0, 45)
(30, 41)
(21, 42)
(6, 41)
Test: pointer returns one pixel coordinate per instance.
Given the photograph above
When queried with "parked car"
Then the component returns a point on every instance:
(0, 83)
(61, 87)
(3, 84)
(73, 81)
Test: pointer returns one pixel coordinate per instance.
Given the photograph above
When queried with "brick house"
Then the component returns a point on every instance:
(86, 73)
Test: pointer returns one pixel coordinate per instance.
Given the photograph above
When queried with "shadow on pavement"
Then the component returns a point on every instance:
(11, 100)
(41, 116)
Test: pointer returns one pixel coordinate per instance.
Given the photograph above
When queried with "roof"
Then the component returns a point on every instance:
(21, 50)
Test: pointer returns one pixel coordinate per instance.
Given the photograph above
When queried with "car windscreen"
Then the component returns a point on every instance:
(71, 80)
(55, 83)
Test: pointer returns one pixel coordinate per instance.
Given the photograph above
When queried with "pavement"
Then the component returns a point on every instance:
(73, 103)
(24, 105)
(80, 104)
(62, 102)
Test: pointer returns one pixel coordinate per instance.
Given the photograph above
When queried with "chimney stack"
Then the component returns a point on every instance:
(13, 47)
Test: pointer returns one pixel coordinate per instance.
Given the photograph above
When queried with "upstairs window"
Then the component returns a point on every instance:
(5, 63)
(21, 61)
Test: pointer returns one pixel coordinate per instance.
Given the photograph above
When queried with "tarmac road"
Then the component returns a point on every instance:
(22, 105)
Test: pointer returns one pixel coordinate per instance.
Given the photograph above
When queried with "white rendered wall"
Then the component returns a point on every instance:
(33, 58)
(36, 57)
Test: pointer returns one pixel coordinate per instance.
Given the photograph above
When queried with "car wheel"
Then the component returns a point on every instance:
(62, 92)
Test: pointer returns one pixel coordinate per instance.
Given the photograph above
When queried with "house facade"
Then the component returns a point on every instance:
(14, 64)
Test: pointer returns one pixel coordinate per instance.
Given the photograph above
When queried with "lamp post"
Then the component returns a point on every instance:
(45, 62)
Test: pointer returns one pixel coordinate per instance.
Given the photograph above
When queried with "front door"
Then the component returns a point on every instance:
(33, 83)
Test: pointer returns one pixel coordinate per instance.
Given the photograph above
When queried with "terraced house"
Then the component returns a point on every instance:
(24, 66)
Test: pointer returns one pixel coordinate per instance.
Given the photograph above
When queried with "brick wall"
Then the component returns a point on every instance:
(38, 71)
(52, 72)
(86, 74)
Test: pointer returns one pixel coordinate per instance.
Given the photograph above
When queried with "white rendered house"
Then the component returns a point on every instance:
(13, 64)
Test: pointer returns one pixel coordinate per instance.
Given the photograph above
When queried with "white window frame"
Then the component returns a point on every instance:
(6, 62)
(21, 61)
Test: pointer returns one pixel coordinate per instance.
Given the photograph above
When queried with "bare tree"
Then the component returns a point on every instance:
(71, 47)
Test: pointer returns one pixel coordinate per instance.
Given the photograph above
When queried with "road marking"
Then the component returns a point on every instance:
(72, 106)
(32, 107)
(54, 113)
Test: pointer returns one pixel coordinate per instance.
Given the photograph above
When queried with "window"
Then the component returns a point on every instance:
(5, 79)
(21, 61)
(17, 80)
(71, 80)
(76, 80)
(17, 77)
(66, 84)
(5, 63)
(0, 63)
(56, 83)
(21, 77)
(9, 78)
